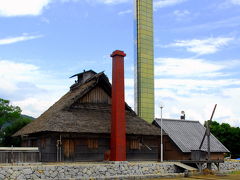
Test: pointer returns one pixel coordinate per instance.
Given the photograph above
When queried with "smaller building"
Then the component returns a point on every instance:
(183, 139)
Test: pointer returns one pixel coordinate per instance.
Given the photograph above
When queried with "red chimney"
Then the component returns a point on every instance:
(118, 128)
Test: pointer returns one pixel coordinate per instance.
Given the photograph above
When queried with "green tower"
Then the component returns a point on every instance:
(144, 60)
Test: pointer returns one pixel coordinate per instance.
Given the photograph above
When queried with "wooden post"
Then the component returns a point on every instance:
(12, 154)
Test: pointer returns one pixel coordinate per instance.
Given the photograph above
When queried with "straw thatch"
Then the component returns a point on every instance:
(63, 116)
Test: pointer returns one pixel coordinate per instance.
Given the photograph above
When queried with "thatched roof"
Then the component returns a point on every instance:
(63, 116)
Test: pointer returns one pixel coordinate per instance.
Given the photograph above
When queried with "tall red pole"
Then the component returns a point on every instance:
(118, 126)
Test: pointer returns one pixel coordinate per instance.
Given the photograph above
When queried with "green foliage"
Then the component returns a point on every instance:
(7, 139)
(8, 113)
(11, 121)
(229, 136)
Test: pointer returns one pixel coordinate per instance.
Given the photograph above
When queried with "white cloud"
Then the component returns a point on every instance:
(188, 75)
(11, 8)
(24, 37)
(125, 12)
(213, 26)
(27, 86)
(178, 94)
(129, 93)
(203, 46)
(236, 2)
(34, 106)
(11, 72)
(112, 1)
(22, 7)
(181, 14)
(199, 107)
(107, 2)
(129, 82)
(156, 3)
(45, 20)
(166, 3)
(195, 85)
(187, 67)
(197, 98)
(228, 4)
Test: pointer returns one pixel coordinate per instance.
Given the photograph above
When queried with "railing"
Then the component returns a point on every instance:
(19, 154)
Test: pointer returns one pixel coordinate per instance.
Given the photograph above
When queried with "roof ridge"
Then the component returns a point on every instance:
(177, 120)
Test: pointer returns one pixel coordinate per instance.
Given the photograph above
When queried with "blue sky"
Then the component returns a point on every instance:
(197, 60)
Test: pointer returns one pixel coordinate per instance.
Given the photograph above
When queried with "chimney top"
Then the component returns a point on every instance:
(118, 53)
(182, 117)
(82, 78)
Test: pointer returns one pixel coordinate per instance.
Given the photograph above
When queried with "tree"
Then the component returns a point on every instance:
(228, 135)
(8, 113)
(6, 134)
(11, 121)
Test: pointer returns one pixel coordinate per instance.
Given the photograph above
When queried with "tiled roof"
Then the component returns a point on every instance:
(187, 135)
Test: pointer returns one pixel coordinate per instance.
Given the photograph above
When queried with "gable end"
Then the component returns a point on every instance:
(96, 95)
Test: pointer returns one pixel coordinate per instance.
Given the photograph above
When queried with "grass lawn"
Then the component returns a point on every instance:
(232, 176)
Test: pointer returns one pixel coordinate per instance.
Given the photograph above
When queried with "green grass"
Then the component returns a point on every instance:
(235, 172)
(204, 177)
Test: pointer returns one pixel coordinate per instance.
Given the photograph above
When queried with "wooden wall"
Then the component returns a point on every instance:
(97, 95)
(172, 152)
(148, 149)
(93, 148)
(48, 148)
(217, 156)
(19, 156)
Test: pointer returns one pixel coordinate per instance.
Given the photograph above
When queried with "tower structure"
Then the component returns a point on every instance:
(144, 60)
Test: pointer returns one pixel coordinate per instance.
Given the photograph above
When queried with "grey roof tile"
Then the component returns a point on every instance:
(187, 135)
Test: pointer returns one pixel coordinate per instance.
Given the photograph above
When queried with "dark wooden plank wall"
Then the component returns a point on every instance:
(172, 152)
(217, 156)
(74, 149)
(97, 95)
(77, 149)
(19, 156)
(144, 153)
(48, 148)
(84, 153)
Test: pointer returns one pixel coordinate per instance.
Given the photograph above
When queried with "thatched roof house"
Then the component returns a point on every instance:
(86, 111)
(73, 113)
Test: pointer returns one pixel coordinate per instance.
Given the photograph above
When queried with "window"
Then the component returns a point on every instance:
(43, 142)
(92, 143)
(135, 144)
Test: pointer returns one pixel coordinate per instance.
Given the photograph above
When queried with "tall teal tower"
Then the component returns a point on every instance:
(144, 60)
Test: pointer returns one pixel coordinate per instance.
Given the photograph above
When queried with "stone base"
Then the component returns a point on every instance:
(109, 170)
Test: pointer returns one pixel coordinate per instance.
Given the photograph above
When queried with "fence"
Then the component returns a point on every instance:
(19, 154)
